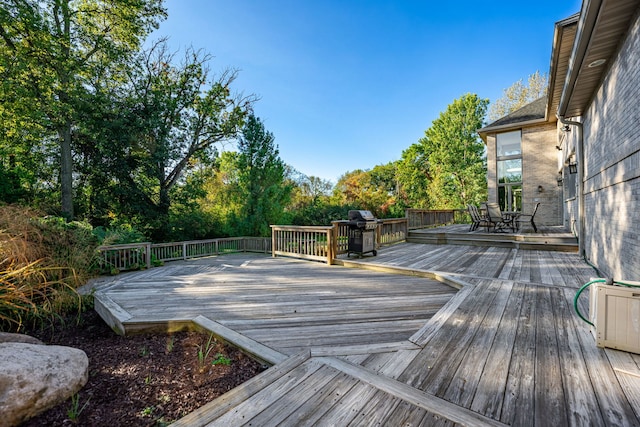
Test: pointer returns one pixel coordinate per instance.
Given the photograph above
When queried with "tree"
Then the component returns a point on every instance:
(518, 95)
(413, 176)
(448, 162)
(373, 190)
(222, 199)
(261, 179)
(50, 49)
(166, 119)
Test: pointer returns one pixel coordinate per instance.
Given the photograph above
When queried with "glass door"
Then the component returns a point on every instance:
(510, 197)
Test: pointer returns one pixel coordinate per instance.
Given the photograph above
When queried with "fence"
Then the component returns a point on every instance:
(320, 243)
(114, 258)
(307, 242)
(421, 218)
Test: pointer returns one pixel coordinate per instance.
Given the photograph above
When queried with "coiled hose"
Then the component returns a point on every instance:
(586, 285)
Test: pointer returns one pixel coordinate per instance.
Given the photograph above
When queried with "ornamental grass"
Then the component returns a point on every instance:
(43, 260)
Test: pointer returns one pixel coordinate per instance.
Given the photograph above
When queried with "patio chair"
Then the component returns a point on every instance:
(529, 218)
(499, 220)
(477, 219)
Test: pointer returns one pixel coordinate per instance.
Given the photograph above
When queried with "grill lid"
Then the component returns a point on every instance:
(361, 215)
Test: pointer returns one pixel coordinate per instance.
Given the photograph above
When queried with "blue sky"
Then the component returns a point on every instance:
(350, 84)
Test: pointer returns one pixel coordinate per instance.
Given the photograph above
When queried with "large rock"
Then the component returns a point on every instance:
(34, 378)
(9, 337)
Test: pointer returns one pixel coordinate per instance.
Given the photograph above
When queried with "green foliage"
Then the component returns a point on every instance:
(448, 165)
(42, 261)
(143, 144)
(75, 410)
(375, 190)
(414, 177)
(205, 350)
(13, 183)
(71, 245)
(518, 95)
(262, 190)
(221, 359)
(50, 53)
(119, 234)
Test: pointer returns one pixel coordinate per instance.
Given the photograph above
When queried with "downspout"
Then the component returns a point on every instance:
(580, 161)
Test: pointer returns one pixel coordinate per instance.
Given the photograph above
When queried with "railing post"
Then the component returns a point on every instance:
(147, 249)
(273, 241)
(330, 246)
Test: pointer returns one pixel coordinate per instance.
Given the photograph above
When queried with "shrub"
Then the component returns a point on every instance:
(118, 235)
(42, 262)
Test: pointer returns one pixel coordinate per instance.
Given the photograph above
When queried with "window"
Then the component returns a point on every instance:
(509, 166)
(508, 144)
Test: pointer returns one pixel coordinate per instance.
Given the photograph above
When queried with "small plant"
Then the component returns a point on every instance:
(147, 379)
(221, 359)
(74, 411)
(203, 352)
(170, 343)
(146, 412)
(144, 351)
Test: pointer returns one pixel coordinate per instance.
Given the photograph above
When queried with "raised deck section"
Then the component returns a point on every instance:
(547, 239)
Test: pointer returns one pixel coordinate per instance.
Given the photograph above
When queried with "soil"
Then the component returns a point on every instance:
(143, 380)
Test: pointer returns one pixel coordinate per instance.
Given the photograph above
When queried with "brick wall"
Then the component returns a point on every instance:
(612, 166)
(540, 168)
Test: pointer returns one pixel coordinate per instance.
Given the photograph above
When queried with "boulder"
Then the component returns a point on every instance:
(34, 378)
(9, 337)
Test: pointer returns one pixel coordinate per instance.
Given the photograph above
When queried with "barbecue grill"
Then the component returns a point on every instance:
(362, 232)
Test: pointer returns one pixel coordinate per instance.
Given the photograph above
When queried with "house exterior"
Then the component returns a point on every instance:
(586, 139)
(522, 163)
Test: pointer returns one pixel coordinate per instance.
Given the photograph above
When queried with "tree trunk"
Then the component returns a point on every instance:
(66, 171)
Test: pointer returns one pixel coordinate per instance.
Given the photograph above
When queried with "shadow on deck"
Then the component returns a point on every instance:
(505, 349)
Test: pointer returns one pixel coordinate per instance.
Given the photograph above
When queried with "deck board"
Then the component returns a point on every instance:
(385, 344)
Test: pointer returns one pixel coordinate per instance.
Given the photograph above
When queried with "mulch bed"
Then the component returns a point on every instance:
(143, 380)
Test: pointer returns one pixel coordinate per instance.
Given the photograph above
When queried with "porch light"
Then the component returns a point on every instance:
(573, 168)
(559, 180)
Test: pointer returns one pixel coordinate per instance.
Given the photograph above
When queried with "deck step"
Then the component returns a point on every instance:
(503, 240)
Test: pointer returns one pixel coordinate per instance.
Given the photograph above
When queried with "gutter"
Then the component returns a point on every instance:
(580, 161)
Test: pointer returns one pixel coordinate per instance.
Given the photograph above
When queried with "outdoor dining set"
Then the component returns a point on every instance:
(493, 217)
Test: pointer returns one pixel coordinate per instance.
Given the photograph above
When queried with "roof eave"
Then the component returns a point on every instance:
(586, 24)
(601, 29)
(510, 126)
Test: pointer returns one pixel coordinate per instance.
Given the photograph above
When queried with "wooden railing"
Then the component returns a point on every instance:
(114, 258)
(320, 243)
(393, 230)
(307, 242)
(422, 218)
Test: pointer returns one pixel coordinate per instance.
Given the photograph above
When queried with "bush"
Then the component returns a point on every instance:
(118, 235)
(42, 262)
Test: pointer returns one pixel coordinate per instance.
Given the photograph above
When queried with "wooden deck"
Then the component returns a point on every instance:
(547, 238)
(390, 342)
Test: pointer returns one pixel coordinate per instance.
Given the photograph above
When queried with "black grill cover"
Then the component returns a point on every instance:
(360, 215)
